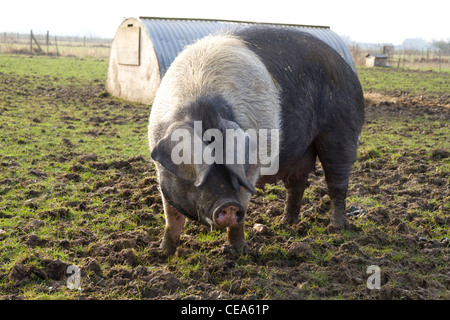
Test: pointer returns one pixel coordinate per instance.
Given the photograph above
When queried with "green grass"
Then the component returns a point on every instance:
(60, 205)
(62, 70)
(45, 130)
(393, 80)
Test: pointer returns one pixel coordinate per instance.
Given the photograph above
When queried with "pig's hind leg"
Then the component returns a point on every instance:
(294, 194)
(296, 184)
(337, 152)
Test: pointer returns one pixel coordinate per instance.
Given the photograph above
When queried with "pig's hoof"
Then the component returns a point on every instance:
(337, 225)
(330, 229)
(168, 246)
(240, 247)
(288, 219)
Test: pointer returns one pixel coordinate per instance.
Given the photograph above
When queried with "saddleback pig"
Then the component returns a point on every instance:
(248, 107)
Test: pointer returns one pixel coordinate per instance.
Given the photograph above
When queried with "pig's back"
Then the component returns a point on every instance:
(318, 90)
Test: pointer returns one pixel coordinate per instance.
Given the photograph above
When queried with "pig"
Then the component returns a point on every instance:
(251, 81)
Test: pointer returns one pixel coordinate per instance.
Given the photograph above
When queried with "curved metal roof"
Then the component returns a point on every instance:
(169, 36)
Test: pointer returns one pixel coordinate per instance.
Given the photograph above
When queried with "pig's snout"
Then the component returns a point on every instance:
(228, 214)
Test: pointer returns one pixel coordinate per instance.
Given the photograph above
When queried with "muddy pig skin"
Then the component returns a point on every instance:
(255, 78)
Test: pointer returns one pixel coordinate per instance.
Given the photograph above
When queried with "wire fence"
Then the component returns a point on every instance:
(95, 47)
(52, 45)
(427, 58)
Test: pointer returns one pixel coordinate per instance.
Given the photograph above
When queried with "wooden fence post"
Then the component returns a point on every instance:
(56, 43)
(32, 37)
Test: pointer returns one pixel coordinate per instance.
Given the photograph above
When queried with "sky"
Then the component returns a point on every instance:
(377, 21)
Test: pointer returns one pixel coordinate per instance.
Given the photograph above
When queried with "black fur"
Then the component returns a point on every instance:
(319, 90)
(210, 109)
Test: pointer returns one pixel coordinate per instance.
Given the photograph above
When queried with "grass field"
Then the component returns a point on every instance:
(416, 82)
(77, 188)
(81, 47)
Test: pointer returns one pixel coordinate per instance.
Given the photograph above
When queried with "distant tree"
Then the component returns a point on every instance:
(443, 45)
(347, 40)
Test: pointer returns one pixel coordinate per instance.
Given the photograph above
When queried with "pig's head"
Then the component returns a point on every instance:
(195, 177)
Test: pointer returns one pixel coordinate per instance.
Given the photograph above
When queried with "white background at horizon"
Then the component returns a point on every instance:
(380, 21)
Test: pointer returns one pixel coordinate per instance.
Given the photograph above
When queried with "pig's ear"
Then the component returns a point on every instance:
(162, 153)
(201, 170)
(238, 169)
(193, 172)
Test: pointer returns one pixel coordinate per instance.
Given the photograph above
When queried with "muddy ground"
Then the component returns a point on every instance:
(108, 219)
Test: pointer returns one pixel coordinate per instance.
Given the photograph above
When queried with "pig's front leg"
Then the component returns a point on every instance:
(174, 225)
(236, 237)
